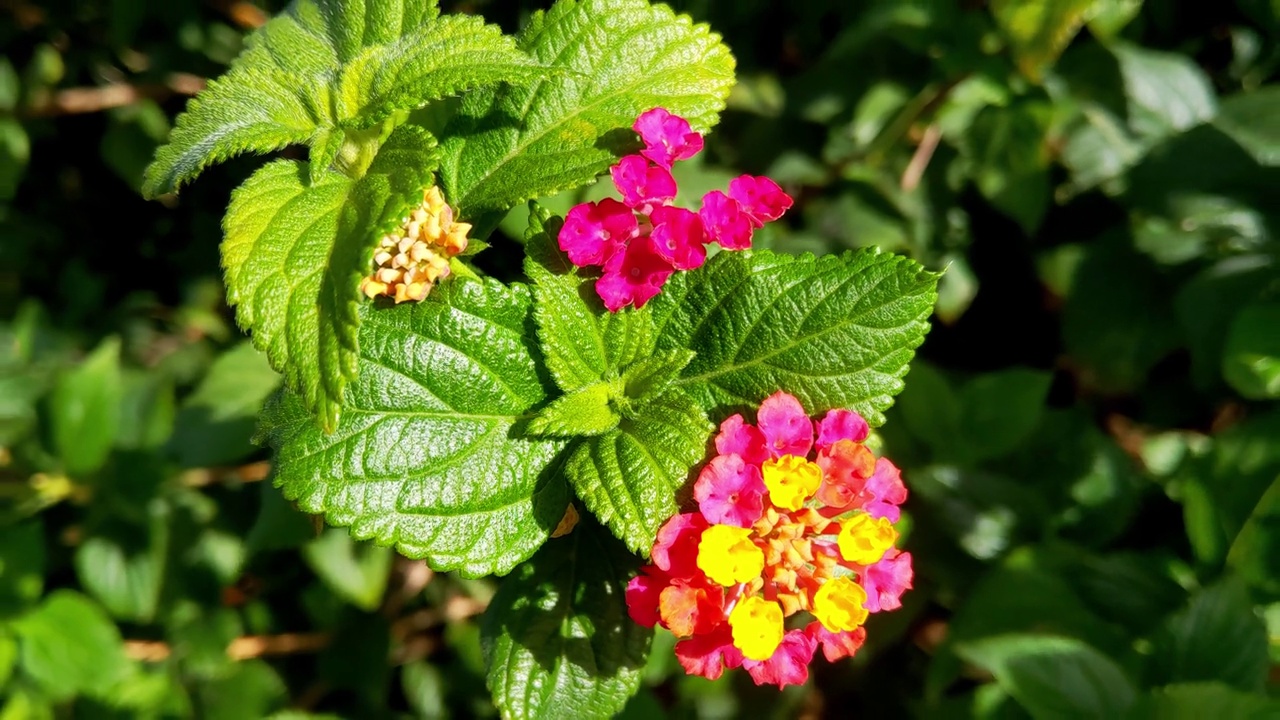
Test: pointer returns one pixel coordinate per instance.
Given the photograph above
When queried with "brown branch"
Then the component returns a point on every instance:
(81, 100)
(920, 159)
(245, 14)
(242, 648)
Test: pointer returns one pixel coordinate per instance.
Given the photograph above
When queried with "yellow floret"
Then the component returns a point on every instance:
(757, 628)
(864, 540)
(727, 555)
(791, 480)
(838, 604)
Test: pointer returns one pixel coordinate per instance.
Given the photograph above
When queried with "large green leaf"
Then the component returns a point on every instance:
(1054, 677)
(70, 646)
(85, 409)
(427, 455)
(835, 331)
(557, 637)
(325, 70)
(295, 251)
(1193, 701)
(1251, 359)
(1217, 637)
(615, 59)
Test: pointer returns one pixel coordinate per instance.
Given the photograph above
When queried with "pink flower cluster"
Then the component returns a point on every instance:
(794, 515)
(642, 239)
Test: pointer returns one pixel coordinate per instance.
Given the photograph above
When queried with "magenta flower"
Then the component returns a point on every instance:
(709, 655)
(643, 239)
(884, 492)
(666, 137)
(643, 592)
(761, 198)
(730, 492)
(675, 550)
(594, 231)
(786, 428)
(887, 580)
(736, 437)
(837, 645)
(841, 424)
(789, 664)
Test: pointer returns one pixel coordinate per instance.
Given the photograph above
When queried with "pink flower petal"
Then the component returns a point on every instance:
(841, 424)
(633, 276)
(884, 492)
(787, 429)
(725, 221)
(789, 664)
(642, 185)
(761, 198)
(643, 593)
(886, 580)
(593, 232)
(730, 492)
(675, 551)
(837, 645)
(679, 237)
(736, 437)
(666, 137)
(710, 654)
(846, 465)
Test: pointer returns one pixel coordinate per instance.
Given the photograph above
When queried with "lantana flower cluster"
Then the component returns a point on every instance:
(413, 258)
(642, 239)
(794, 517)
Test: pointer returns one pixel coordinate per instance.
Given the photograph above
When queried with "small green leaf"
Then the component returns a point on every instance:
(85, 407)
(295, 251)
(836, 331)
(215, 422)
(1054, 677)
(584, 412)
(1039, 30)
(1194, 701)
(1251, 360)
(629, 476)
(124, 570)
(425, 456)
(22, 548)
(652, 376)
(616, 59)
(582, 342)
(15, 151)
(1247, 116)
(326, 67)
(356, 572)
(1217, 637)
(557, 637)
(70, 646)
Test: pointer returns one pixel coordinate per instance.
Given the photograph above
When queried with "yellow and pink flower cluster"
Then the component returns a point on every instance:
(794, 516)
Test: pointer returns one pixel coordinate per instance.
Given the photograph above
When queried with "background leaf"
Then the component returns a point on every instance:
(557, 638)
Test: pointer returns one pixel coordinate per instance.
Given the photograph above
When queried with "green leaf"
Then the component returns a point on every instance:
(70, 646)
(295, 251)
(123, 569)
(1039, 30)
(1054, 677)
(85, 409)
(251, 689)
(1011, 157)
(325, 70)
(652, 376)
(1247, 116)
(22, 549)
(629, 476)
(426, 456)
(1194, 701)
(1165, 92)
(1251, 360)
(836, 331)
(356, 572)
(15, 151)
(1207, 303)
(1217, 637)
(557, 637)
(583, 412)
(215, 422)
(616, 59)
(582, 343)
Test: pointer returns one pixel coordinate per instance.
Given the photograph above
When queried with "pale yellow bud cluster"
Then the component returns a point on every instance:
(412, 259)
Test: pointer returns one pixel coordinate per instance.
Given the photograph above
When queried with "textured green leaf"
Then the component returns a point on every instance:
(323, 71)
(557, 638)
(629, 476)
(1054, 677)
(426, 455)
(616, 59)
(836, 331)
(652, 376)
(295, 251)
(585, 411)
(85, 409)
(581, 342)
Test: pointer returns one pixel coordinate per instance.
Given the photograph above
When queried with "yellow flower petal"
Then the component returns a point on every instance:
(838, 604)
(727, 555)
(791, 480)
(757, 627)
(864, 540)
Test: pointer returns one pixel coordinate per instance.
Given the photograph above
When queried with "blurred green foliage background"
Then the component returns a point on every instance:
(1090, 433)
